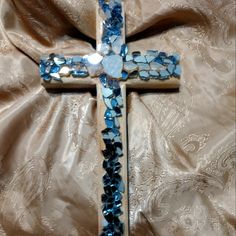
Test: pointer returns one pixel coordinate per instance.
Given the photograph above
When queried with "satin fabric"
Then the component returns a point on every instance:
(181, 144)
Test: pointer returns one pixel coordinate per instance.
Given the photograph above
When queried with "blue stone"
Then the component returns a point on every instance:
(171, 68)
(77, 59)
(119, 100)
(124, 50)
(79, 73)
(177, 71)
(107, 101)
(128, 58)
(162, 55)
(152, 53)
(42, 68)
(125, 75)
(59, 60)
(116, 123)
(136, 54)
(167, 61)
(69, 61)
(54, 69)
(122, 187)
(114, 103)
(158, 60)
(153, 74)
(164, 74)
(103, 80)
(107, 92)
(143, 66)
(150, 58)
(141, 59)
(47, 78)
(110, 123)
(144, 75)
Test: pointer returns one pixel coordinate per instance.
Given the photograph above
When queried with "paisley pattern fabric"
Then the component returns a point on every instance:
(181, 144)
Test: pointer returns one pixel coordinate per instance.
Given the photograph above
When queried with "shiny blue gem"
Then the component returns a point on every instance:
(177, 71)
(107, 92)
(164, 74)
(171, 68)
(79, 74)
(136, 54)
(152, 53)
(54, 69)
(153, 74)
(77, 59)
(162, 55)
(144, 75)
(103, 80)
(47, 78)
(110, 123)
(125, 75)
(124, 50)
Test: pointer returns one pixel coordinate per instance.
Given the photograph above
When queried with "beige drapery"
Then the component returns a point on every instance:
(181, 145)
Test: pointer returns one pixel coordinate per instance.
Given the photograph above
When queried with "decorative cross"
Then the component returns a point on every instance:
(116, 70)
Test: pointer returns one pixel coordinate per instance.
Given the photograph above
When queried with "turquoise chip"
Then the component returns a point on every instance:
(144, 75)
(177, 71)
(164, 74)
(125, 75)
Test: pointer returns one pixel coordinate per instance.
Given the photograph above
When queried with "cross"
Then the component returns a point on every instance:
(111, 70)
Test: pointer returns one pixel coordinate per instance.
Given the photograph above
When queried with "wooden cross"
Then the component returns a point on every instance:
(155, 70)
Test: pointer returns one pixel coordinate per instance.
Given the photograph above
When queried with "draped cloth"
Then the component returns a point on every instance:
(181, 144)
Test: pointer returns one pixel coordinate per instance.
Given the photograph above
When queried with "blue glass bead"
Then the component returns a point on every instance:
(124, 50)
(42, 68)
(79, 74)
(119, 152)
(119, 100)
(54, 69)
(117, 92)
(152, 53)
(60, 60)
(150, 58)
(110, 123)
(144, 75)
(103, 80)
(77, 59)
(162, 55)
(143, 66)
(140, 59)
(136, 54)
(47, 78)
(167, 61)
(158, 60)
(114, 103)
(125, 75)
(171, 68)
(116, 123)
(121, 187)
(107, 102)
(164, 74)
(69, 61)
(177, 71)
(107, 92)
(153, 74)
(128, 58)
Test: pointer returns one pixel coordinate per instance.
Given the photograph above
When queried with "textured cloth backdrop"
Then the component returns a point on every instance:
(181, 145)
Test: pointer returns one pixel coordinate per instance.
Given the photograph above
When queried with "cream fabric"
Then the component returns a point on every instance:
(181, 145)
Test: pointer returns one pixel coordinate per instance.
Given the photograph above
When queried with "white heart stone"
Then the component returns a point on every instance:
(93, 64)
(113, 66)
